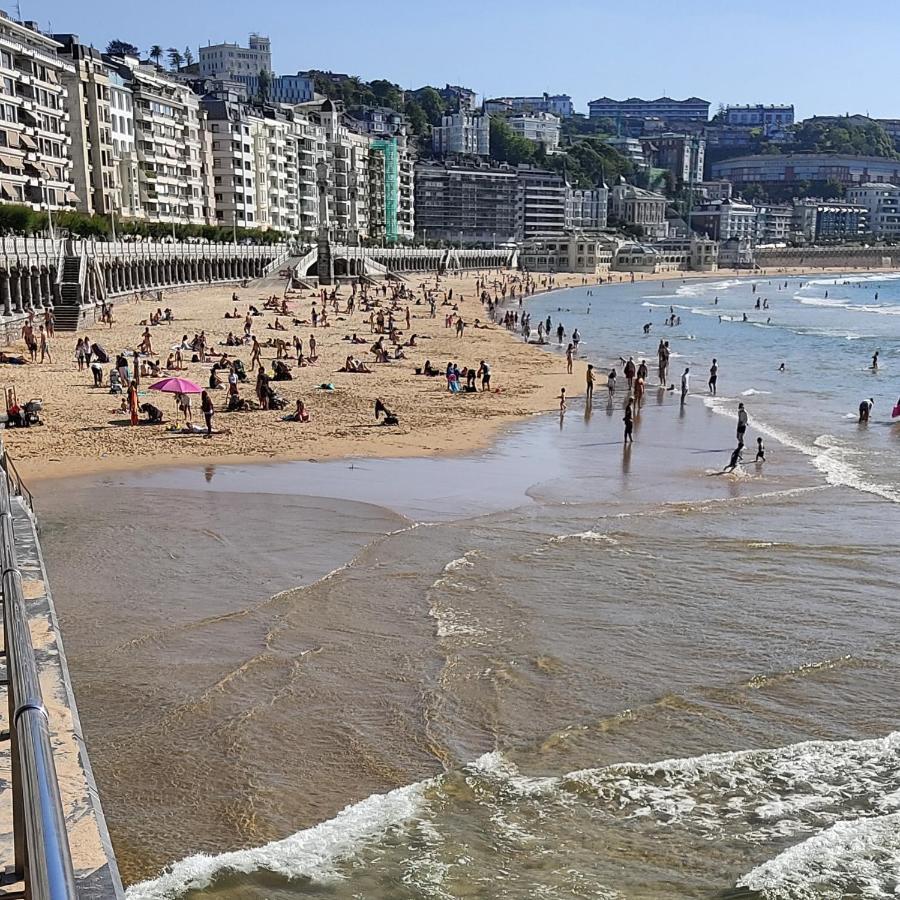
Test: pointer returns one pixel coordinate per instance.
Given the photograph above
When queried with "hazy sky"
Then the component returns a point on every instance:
(824, 56)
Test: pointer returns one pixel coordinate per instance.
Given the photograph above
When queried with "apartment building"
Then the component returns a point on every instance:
(126, 199)
(829, 221)
(467, 204)
(540, 128)
(587, 208)
(35, 147)
(462, 133)
(681, 154)
(559, 105)
(883, 203)
(299, 88)
(542, 202)
(171, 152)
(769, 117)
(90, 126)
(774, 224)
(722, 220)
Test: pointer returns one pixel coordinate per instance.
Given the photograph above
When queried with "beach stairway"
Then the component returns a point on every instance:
(71, 290)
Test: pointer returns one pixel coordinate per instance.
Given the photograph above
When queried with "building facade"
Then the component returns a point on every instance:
(634, 206)
(462, 134)
(35, 143)
(683, 155)
(768, 117)
(172, 166)
(569, 252)
(467, 204)
(883, 204)
(243, 65)
(539, 128)
(664, 108)
(721, 220)
(299, 88)
(542, 202)
(793, 168)
(559, 105)
(774, 224)
(827, 221)
(587, 209)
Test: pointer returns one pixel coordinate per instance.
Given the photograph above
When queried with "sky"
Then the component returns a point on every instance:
(825, 57)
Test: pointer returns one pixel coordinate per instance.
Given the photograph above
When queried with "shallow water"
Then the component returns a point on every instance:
(557, 669)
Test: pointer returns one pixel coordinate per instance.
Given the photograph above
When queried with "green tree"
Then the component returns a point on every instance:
(418, 121)
(188, 56)
(432, 104)
(175, 58)
(156, 53)
(122, 48)
(264, 85)
(507, 146)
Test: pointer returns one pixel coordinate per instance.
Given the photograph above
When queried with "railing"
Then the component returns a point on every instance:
(14, 482)
(43, 859)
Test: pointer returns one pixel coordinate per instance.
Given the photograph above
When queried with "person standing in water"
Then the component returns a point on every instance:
(713, 377)
(628, 419)
(685, 384)
(865, 410)
(742, 423)
(760, 451)
(570, 354)
(875, 361)
(590, 384)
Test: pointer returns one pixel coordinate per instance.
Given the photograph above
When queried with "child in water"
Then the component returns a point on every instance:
(760, 450)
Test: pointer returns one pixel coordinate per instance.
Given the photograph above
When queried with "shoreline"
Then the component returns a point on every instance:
(432, 432)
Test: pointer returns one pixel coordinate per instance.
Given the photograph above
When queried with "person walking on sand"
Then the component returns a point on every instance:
(630, 370)
(685, 384)
(570, 353)
(741, 423)
(484, 370)
(45, 345)
(713, 376)
(638, 393)
(133, 401)
(255, 352)
(589, 376)
(206, 405)
(611, 383)
(628, 419)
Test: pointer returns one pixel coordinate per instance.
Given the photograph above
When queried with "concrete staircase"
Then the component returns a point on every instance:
(68, 314)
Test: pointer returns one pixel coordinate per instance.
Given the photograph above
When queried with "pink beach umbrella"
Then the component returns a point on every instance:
(176, 386)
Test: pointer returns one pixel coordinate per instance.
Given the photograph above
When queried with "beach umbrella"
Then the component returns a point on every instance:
(176, 386)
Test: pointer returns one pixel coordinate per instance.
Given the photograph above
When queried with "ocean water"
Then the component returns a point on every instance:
(559, 668)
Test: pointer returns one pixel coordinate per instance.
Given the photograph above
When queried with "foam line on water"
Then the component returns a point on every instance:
(860, 857)
(311, 853)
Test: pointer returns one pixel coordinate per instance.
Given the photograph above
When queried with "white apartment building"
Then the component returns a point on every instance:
(541, 128)
(463, 133)
(722, 220)
(587, 209)
(35, 147)
(557, 104)
(126, 197)
(542, 200)
(170, 148)
(774, 224)
(883, 202)
(231, 62)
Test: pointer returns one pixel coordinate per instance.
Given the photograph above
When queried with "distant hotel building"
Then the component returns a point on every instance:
(557, 105)
(692, 109)
(231, 62)
(883, 203)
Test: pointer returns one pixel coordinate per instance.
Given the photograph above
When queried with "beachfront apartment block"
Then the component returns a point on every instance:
(883, 203)
(467, 204)
(232, 62)
(539, 128)
(542, 202)
(173, 162)
(692, 109)
(90, 126)
(722, 220)
(559, 105)
(462, 134)
(35, 147)
(828, 221)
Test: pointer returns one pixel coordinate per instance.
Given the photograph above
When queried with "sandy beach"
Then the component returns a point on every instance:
(85, 430)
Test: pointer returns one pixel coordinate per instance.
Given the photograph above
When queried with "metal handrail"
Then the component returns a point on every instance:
(43, 858)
